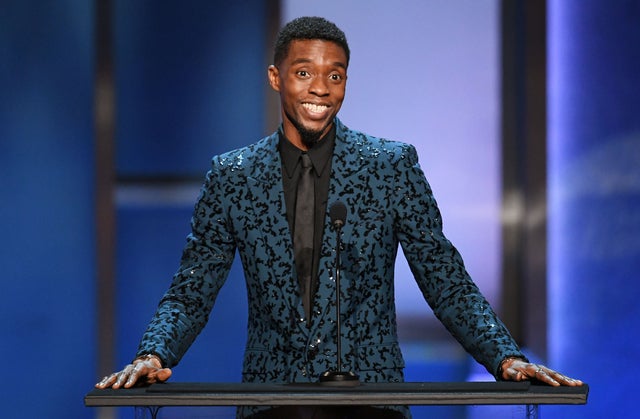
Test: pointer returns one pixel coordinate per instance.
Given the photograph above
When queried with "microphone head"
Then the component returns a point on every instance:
(338, 214)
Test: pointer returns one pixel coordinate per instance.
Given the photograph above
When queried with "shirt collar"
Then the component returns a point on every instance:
(320, 154)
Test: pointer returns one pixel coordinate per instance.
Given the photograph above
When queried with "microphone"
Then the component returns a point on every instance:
(338, 378)
(338, 214)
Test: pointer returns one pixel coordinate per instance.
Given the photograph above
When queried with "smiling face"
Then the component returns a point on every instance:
(311, 81)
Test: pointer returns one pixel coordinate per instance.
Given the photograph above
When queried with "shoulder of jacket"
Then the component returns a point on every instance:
(243, 157)
(376, 147)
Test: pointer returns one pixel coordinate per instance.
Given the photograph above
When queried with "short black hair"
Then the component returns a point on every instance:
(308, 27)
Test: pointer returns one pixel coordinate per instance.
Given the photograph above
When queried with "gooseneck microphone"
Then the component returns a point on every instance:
(338, 214)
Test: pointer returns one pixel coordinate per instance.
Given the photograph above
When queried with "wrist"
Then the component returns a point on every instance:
(153, 358)
(505, 363)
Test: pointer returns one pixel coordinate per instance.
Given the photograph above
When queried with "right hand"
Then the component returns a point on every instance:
(146, 370)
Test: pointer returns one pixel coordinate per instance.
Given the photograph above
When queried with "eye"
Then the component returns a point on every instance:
(335, 77)
(302, 73)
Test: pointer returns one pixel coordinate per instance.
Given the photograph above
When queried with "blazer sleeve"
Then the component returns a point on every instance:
(206, 260)
(440, 272)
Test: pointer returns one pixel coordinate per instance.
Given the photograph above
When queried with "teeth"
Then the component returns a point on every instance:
(315, 108)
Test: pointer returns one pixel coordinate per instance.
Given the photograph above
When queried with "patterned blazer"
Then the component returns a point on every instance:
(242, 207)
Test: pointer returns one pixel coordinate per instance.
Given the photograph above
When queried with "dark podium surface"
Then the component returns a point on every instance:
(412, 393)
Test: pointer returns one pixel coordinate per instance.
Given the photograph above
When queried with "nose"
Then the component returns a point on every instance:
(319, 86)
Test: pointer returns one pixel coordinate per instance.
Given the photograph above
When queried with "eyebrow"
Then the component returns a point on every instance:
(308, 60)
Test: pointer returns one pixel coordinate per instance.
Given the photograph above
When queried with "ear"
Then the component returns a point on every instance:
(274, 77)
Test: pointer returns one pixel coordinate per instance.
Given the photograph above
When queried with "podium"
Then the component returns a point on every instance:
(410, 393)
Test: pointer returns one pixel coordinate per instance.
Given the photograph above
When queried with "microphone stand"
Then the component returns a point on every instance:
(339, 378)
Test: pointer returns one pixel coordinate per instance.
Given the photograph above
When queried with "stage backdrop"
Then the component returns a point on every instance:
(594, 197)
(46, 208)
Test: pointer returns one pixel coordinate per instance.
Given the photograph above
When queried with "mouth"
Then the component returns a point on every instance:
(315, 109)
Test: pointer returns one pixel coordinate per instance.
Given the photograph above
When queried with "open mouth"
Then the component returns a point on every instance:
(316, 109)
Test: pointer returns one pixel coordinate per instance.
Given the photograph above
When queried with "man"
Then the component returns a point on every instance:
(254, 201)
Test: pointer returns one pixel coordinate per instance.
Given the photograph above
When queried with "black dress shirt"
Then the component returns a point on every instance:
(320, 156)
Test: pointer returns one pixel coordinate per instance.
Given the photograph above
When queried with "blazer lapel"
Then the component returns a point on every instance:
(265, 188)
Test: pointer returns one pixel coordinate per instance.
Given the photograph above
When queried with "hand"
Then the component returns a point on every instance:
(515, 369)
(147, 369)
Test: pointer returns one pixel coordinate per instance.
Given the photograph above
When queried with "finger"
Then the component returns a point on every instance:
(516, 375)
(527, 371)
(107, 381)
(524, 371)
(123, 376)
(120, 379)
(136, 372)
(544, 375)
(563, 379)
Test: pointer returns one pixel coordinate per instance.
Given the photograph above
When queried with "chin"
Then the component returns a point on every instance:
(310, 131)
(319, 127)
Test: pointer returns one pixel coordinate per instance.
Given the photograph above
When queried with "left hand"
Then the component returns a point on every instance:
(514, 369)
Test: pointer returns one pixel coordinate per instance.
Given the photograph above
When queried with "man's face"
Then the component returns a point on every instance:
(311, 81)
